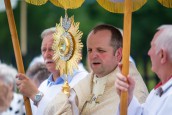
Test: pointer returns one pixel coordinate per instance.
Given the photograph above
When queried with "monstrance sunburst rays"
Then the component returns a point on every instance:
(67, 48)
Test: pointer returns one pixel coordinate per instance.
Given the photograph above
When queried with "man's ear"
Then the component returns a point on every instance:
(118, 54)
(163, 56)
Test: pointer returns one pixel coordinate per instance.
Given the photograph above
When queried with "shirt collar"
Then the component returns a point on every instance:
(160, 84)
(50, 82)
(61, 79)
(161, 89)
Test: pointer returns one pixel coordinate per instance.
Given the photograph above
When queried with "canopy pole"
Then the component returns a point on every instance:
(126, 52)
(16, 47)
(23, 27)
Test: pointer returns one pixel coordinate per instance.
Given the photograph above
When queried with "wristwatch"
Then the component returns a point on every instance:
(38, 98)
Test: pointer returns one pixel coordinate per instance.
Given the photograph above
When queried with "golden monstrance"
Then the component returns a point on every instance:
(67, 44)
(67, 48)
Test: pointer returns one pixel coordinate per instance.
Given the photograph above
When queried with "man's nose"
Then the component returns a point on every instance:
(94, 55)
(47, 54)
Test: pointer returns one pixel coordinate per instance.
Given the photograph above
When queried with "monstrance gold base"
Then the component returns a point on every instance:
(66, 88)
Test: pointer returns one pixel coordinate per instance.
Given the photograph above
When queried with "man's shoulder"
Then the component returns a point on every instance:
(80, 75)
(85, 80)
(43, 84)
(84, 83)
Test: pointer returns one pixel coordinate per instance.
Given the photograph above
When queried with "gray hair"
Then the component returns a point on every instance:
(48, 32)
(164, 39)
(38, 70)
(8, 75)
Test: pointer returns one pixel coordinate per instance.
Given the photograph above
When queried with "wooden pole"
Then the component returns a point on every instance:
(23, 27)
(126, 52)
(16, 47)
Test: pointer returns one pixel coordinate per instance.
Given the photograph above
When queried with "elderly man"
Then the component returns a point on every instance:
(95, 94)
(50, 87)
(5, 96)
(160, 98)
(10, 101)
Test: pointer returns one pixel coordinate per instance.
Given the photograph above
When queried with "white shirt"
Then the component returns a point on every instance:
(156, 104)
(51, 91)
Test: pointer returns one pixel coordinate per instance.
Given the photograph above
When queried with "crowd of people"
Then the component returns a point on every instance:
(96, 92)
